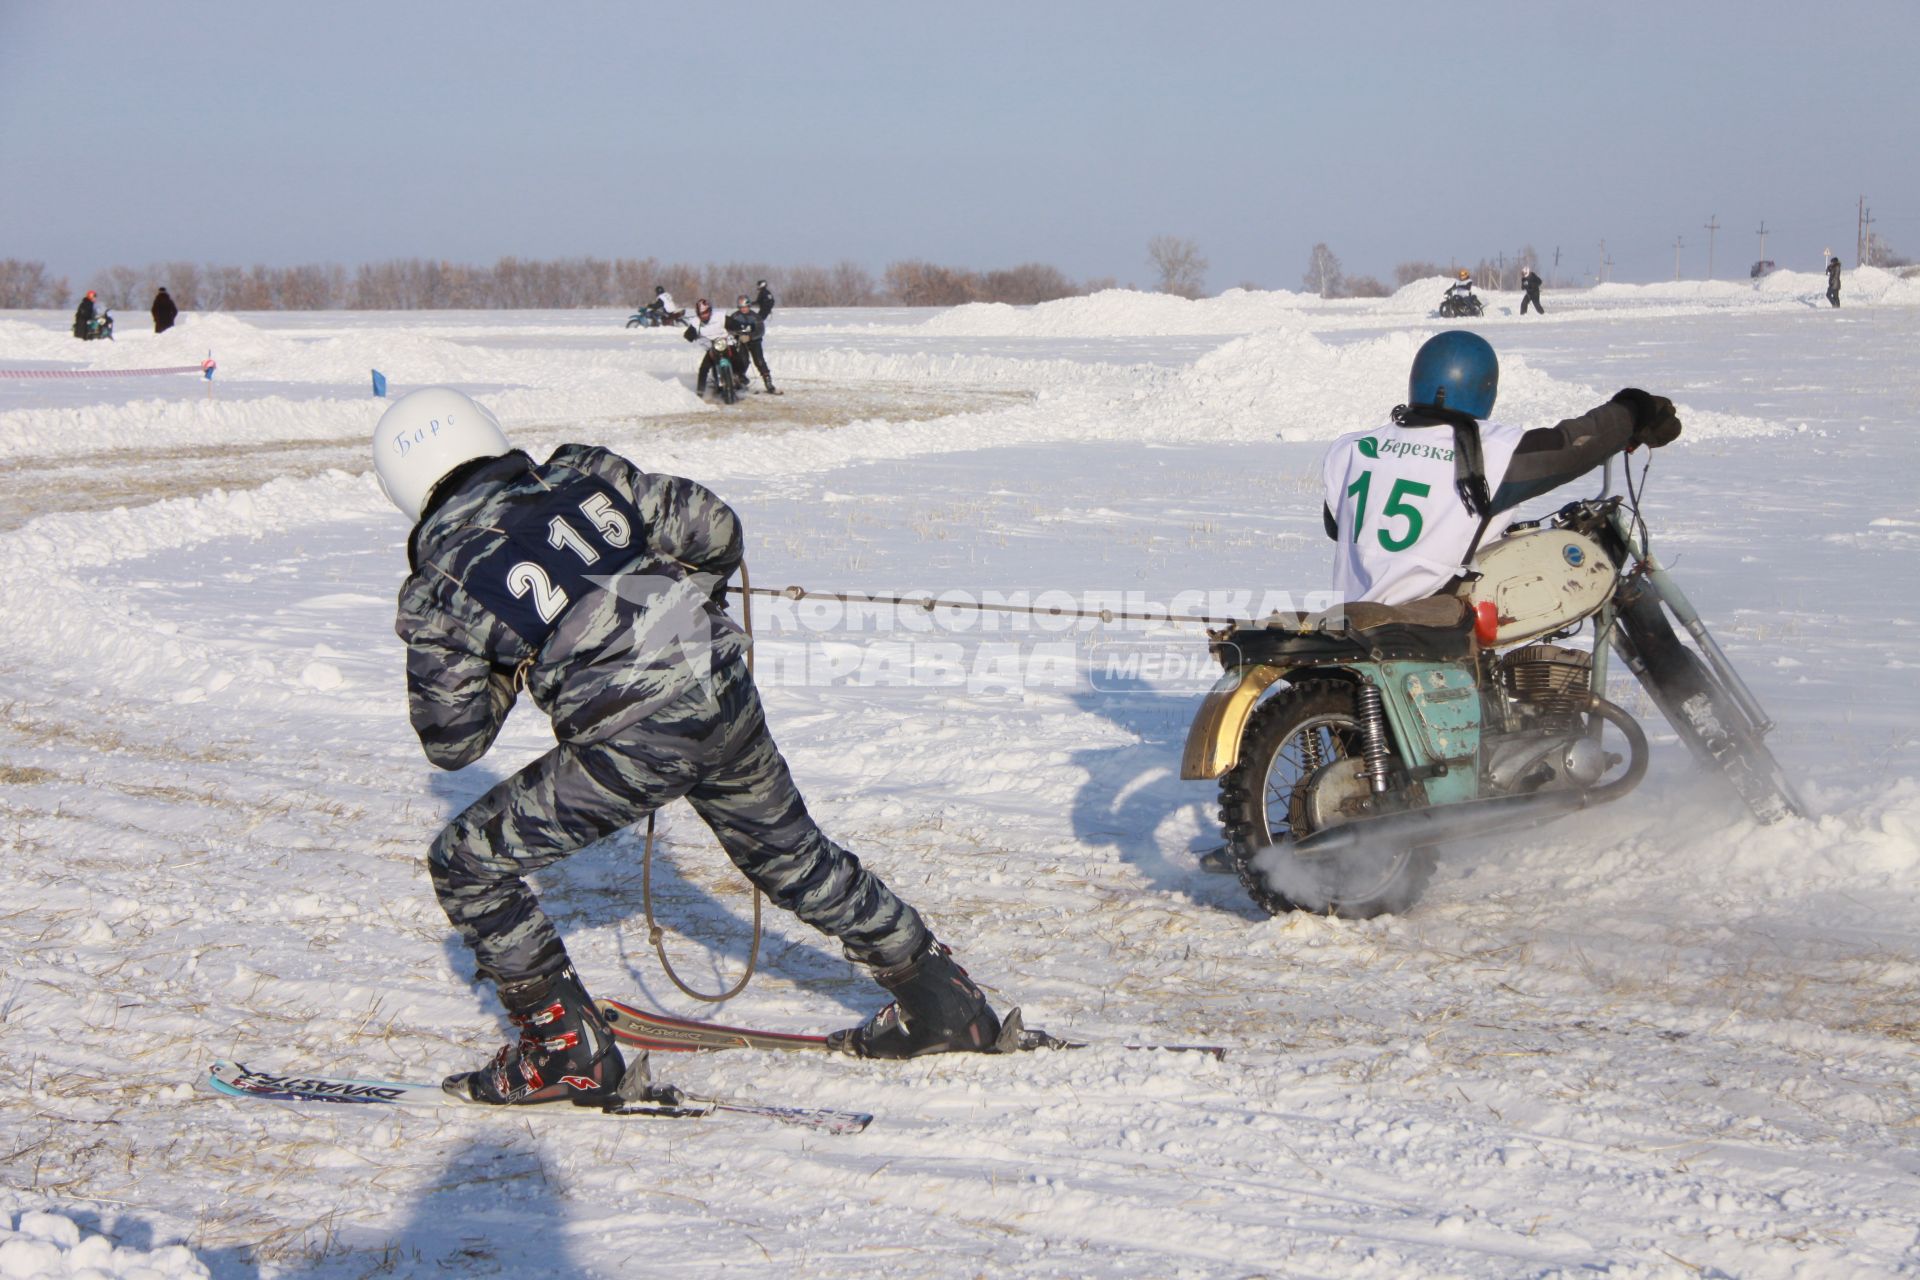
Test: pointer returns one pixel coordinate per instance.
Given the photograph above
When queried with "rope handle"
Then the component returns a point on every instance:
(657, 935)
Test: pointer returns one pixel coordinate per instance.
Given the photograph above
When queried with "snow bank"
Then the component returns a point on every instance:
(1126, 312)
(46, 1246)
(1297, 387)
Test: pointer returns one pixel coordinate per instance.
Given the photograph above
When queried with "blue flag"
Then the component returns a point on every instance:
(379, 383)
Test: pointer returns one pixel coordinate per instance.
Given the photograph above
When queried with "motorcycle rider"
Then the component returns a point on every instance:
(749, 328)
(1408, 503)
(662, 304)
(598, 589)
(1462, 288)
(763, 301)
(84, 316)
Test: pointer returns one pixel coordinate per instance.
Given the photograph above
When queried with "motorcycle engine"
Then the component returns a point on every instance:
(1550, 682)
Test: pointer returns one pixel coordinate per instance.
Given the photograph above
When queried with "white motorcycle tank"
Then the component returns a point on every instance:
(1539, 581)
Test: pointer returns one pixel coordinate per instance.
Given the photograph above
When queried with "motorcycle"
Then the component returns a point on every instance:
(101, 326)
(727, 376)
(652, 317)
(1400, 728)
(1457, 305)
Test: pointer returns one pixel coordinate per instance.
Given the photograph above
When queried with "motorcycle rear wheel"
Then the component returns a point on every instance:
(1263, 808)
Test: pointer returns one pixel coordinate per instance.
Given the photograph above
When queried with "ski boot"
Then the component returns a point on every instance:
(771, 389)
(936, 1009)
(565, 1053)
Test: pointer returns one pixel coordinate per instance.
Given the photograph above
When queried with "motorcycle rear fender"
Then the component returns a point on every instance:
(1213, 740)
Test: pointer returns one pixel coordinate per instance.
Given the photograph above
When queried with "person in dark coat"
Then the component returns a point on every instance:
(83, 316)
(763, 300)
(1833, 280)
(749, 328)
(1530, 290)
(164, 311)
(598, 590)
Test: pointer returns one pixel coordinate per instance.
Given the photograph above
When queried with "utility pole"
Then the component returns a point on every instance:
(1605, 262)
(1713, 225)
(1678, 245)
(1763, 239)
(1870, 221)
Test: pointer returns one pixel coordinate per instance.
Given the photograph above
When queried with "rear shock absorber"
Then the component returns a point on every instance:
(1373, 734)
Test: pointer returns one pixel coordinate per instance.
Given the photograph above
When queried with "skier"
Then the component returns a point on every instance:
(84, 315)
(1833, 280)
(763, 301)
(749, 328)
(1530, 291)
(1407, 503)
(598, 589)
(164, 311)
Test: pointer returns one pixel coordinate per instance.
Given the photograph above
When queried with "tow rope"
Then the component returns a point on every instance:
(746, 591)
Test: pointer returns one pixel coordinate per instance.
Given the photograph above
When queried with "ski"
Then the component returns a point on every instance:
(645, 1029)
(236, 1080)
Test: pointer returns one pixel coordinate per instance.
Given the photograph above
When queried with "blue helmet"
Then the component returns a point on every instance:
(1455, 370)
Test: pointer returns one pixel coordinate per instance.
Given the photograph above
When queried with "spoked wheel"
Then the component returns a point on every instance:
(1707, 717)
(1300, 768)
(725, 385)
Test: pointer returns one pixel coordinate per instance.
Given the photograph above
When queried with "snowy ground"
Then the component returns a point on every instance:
(1654, 1041)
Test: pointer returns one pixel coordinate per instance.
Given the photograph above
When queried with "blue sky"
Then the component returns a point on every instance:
(977, 134)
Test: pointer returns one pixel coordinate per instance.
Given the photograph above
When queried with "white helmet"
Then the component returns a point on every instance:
(426, 434)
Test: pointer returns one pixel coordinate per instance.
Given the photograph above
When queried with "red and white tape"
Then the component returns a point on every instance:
(202, 367)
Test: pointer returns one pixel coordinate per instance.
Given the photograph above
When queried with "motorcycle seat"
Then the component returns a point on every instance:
(1431, 629)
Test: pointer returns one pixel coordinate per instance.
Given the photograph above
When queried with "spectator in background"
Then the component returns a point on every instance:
(1530, 291)
(763, 300)
(164, 311)
(1833, 278)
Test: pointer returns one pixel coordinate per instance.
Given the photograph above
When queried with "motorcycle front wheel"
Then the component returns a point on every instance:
(1706, 717)
(725, 385)
(1291, 742)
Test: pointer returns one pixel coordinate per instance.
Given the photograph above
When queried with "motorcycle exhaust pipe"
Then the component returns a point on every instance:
(1486, 817)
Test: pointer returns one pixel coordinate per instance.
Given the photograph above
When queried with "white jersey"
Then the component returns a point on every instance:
(1403, 529)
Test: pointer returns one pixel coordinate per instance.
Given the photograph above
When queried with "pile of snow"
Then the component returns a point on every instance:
(1125, 312)
(1296, 387)
(46, 1246)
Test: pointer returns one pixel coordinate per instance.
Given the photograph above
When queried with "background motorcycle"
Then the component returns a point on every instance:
(652, 317)
(1402, 727)
(1456, 305)
(101, 326)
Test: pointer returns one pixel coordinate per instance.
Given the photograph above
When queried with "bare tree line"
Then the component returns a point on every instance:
(517, 283)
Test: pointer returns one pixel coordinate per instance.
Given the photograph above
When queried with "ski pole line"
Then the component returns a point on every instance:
(930, 603)
(202, 367)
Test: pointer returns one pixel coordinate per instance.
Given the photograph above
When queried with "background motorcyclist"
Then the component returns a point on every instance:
(84, 315)
(1409, 502)
(1462, 287)
(763, 301)
(662, 305)
(749, 328)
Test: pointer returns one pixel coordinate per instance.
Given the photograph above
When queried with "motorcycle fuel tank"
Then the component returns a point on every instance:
(1540, 580)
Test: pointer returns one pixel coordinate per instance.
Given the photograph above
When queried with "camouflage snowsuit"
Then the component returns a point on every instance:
(595, 586)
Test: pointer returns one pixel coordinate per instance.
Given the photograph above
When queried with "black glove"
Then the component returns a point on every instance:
(1654, 421)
